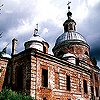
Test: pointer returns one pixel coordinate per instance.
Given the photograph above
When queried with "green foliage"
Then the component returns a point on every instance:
(8, 94)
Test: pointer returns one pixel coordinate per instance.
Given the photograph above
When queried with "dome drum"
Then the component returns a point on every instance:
(34, 44)
(69, 43)
(38, 43)
(70, 58)
(77, 48)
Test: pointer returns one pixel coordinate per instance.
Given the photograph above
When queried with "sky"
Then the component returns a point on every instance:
(18, 19)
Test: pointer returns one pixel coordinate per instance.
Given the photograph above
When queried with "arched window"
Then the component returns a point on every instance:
(70, 26)
(77, 61)
(68, 82)
(85, 86)
(86, 53)
(44, 49)
(96, 89)
(44, 78)
(20, 78)
(44, 98)
(60, 54)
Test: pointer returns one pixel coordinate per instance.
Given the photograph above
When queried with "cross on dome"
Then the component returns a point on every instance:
(69, 14)
(36, 31)
(68, 5)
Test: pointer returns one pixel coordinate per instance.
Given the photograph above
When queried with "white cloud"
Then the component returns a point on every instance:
(45, 30)
(92, 3)
(24, 27)
(82, 11)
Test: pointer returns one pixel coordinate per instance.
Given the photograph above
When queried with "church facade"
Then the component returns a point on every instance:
(69, 74)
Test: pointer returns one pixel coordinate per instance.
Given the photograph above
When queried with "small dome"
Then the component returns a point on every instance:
(5, 55)
(37, 42)
(37, 38)
(70, 57)
(70, 36)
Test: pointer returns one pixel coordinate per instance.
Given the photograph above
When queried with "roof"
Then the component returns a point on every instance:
(72, 35)
(5, 55)
(68, 55)
(37, 38)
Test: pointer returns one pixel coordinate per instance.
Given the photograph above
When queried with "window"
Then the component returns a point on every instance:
(68, 82)
(86, 53)
(92, 90)
(44, 98)
(44, 49)
(0, 70)
(96, 77)
(77, 61)
(20, 78)
(85, 86)
(60, 54)
(70, 27)
(91, 76)
(96, 89)
(44, 78)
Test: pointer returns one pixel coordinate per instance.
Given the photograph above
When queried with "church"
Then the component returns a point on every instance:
(68, 74)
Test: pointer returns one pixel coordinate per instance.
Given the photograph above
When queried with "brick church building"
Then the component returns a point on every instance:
(69, 74)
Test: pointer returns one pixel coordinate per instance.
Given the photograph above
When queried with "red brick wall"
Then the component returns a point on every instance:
(3, 66)
(56, 89)
(33, 62)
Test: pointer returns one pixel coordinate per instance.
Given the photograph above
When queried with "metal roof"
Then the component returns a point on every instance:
(72, 35)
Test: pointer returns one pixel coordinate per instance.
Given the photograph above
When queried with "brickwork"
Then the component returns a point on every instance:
(80, 51)
(31, 63)
(57, 72)
(69, 74)
(3, 66)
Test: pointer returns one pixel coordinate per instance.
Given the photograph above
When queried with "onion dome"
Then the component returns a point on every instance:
(37, 42)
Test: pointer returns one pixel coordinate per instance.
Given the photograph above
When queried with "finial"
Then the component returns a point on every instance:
(68, 5)
(69, 14)
(37, 26)
(36, 30)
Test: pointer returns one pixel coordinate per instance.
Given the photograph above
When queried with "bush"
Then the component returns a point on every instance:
(8, 94)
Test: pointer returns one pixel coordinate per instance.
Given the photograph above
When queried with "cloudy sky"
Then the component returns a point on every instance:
(19, 17)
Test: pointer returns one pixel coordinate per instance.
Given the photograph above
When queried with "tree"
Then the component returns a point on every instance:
(8, 94)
